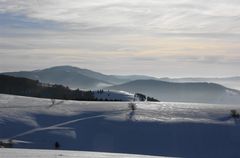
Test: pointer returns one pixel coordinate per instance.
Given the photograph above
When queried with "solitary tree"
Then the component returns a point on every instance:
(235, 114)
(132, 106)
(53, 101)
(56, 145)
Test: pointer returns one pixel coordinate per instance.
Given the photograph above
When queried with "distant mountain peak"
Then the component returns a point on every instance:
(63, 67)
(74, 77)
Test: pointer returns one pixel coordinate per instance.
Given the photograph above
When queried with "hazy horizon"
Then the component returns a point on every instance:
(173, 77)
(184, 38)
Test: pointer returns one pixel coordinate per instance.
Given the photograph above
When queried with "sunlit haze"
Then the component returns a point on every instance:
(174, 38)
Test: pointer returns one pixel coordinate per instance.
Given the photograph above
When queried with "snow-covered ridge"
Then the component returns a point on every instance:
(24, 108)
(25, 153)
(161, 128)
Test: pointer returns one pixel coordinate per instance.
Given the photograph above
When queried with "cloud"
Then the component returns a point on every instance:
(98, 34)
(185, 16)
(210, 60)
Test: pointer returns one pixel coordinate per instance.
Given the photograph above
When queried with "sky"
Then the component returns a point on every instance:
(162, 38)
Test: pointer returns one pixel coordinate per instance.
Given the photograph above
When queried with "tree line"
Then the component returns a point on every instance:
(34, 88)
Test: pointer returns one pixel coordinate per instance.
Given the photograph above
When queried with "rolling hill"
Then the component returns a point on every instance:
(200, 92)
(75, 77)
(64, 75)
(165, 89)
(231, 82)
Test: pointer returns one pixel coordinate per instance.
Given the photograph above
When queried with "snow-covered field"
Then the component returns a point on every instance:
(163, 129)
(28, 153)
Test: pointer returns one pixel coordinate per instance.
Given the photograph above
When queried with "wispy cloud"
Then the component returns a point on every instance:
(153, 33)
(189, 16)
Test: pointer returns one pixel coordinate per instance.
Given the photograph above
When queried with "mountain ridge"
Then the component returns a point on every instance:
(201, 92)
(164, 90)
(74, 77)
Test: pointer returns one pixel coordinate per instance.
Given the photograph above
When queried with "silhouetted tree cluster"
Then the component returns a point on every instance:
(152, 99)
(235, 114)
(101, 99)
(32, 88)
(6, 144)
(140, 97)
(101, 91)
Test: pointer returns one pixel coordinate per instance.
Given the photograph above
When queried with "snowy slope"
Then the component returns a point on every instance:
(163, 129)
(113, 95)
(25, 153)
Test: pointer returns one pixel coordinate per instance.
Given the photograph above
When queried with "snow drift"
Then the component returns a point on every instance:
(160, 129)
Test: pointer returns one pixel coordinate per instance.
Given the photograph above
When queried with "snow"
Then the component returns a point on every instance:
(23, 109)
(230, 92)
(27, 153)
(159, 128)
(113, 95)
